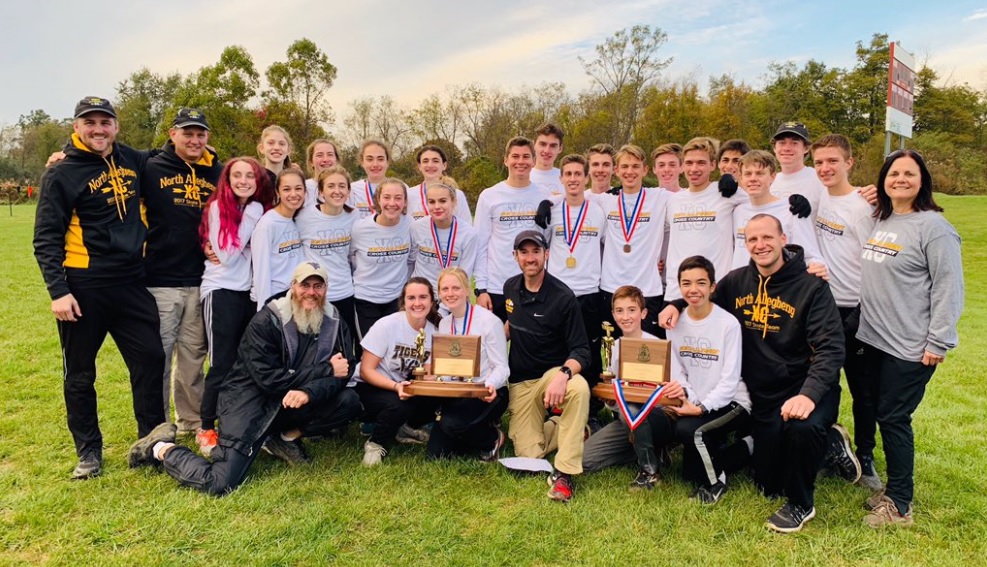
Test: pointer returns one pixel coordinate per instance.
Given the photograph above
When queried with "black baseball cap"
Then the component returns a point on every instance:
(530, 236)
(190, 117)
(94, 104)
(794, 128)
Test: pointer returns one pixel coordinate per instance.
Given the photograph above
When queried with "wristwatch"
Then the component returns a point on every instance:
(478, 292)
(702, 409)
(567, 371)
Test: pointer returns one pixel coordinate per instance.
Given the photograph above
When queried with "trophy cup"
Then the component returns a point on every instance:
(606, 352)
(420, 355)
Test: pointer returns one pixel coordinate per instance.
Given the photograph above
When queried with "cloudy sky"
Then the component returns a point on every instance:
(57, 51)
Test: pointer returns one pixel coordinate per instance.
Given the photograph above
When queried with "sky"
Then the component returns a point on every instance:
(57, 51)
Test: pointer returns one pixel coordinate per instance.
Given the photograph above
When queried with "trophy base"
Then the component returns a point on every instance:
(438, 389)
(633, 394)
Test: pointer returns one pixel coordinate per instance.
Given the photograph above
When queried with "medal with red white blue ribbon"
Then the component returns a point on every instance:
(635, 419)
(370, 196)
(424, 201)
(570, 231)
(445, 260)
(467, 321)
(628, 224)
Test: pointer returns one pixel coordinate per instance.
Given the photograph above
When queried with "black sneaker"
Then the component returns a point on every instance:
(90, 465)
(291, 452)
(839, 454)
(710, 494)
(644, 481)
(790, 518)
(142, 452)
(493, 454)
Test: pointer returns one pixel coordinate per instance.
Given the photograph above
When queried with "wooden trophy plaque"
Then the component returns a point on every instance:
(456, 360)
(644, 364)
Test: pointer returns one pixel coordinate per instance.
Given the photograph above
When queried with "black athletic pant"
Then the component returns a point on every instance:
(388, 412)
(788, 454)
(347, 311)
(130, 315)
(229, 466)
(858, 381)
(704, 453)
(649, 325)
(466, 425)
(898, 387)
(368, 313)
(225, 314)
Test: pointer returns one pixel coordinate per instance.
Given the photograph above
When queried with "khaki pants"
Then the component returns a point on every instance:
(534, 437)
(183, 336)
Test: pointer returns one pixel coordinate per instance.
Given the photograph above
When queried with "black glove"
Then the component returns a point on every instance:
(544, 215)
(615, 190)
(727, 185)
(852, 323)
(799, 206)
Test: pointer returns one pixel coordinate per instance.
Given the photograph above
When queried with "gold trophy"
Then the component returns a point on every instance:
(606, 351)
(420, 355)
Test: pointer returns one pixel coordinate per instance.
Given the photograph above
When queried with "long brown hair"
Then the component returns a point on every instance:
(433, 312)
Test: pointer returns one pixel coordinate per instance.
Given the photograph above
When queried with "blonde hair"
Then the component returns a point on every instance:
(630, 150)
(456, 271)
(391, 181)
(291, 146)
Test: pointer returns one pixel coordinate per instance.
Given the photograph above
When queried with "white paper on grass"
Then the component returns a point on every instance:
(527, 464)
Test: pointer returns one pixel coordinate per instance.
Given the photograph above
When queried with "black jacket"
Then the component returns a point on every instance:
(174, 193)
(546, 328)
(88, 231)
(791, 329)
(266, 369)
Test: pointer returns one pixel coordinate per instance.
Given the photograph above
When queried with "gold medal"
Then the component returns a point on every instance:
(570, 262)
(627, 248)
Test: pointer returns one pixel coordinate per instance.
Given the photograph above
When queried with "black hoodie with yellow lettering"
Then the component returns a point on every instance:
(88, 231)
(791, 330)
(174, 193)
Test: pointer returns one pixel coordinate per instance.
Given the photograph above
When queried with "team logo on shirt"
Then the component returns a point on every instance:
(517, 215)
(388, 250)
(829, 225)
(881, 246)
(328, 241)
(698, 351)
(763, 312)
(188, 192)
(586, 233)
(696, 219)
(119, 185)
(407, 357)
(289, 245)
(509, 306)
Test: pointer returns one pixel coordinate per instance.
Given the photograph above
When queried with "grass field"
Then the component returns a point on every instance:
(413, 512)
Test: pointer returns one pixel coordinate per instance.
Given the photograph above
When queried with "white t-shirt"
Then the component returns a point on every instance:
(380, 259)
(843, 224)
(501, 213)
(706, 359)
(584, 277)
(701, 224)
(392, 338)
(418, 205)
(361, 198)
(639, 267)
(311, 193)
(494, 370)
(797, 230)
(233, 270)
(424, 253)
(326, 240)
(550, 179)
(276, 252)
(805, 182)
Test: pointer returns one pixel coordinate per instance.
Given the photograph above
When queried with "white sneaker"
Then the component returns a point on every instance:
(372, 454)
(410, 436)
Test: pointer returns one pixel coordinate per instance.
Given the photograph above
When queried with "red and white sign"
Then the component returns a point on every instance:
(901, 88)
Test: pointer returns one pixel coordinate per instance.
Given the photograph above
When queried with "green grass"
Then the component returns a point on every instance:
(410, 511)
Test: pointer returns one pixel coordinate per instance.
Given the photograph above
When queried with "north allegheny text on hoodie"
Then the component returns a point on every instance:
(174, 194)
(88, 231)
(791, 330)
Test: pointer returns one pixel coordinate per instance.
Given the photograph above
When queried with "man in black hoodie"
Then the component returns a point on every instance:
(175, 186)
(792, 353)
(89, 240)
(289, 381)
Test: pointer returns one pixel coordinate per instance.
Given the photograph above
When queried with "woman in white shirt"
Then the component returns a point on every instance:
(277, 246)
(442, 239)
(381, 251)
(389, 357)
(432, 164)
(471, 425)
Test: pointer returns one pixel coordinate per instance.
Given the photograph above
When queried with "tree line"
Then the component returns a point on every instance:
(629, 99)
